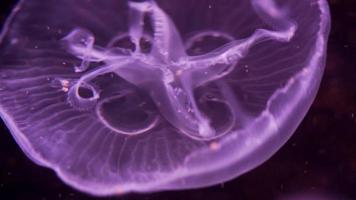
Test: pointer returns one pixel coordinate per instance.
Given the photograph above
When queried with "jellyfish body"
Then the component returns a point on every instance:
(120, 96)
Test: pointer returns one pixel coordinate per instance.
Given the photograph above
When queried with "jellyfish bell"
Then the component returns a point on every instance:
(121, 96)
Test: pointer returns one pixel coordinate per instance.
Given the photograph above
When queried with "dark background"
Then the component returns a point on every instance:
(320, 157)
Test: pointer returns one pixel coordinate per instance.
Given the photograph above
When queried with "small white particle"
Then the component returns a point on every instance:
(14, 41)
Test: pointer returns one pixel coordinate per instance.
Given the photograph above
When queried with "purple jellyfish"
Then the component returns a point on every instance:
(118, 96)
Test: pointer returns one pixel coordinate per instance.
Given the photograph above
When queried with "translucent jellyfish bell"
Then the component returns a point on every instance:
(120, 96)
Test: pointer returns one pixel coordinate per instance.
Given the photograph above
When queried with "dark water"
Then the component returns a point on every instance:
(320, 157)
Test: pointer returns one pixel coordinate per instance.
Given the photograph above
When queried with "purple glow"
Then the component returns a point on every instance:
(120, 96)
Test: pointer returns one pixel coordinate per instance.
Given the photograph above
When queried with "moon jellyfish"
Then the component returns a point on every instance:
(118, 96)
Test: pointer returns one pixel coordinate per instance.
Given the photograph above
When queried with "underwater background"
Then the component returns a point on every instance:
(319, 158)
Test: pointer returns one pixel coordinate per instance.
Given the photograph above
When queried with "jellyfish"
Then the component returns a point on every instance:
(122, 96)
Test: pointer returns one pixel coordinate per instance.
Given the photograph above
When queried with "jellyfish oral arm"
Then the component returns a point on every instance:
(136, 23)
(167, 72)
(168, 45)
(220, 62)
